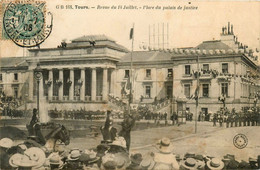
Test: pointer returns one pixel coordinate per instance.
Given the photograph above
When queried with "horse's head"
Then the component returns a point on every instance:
(60, 133)
(64, 135)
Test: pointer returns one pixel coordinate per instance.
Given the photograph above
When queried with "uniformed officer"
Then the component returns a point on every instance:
(220, 120)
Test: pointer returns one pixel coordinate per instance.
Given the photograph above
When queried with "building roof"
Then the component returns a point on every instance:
(144, 56)
(100, 40)
(212, 45)
(14, 62)
(87, 38)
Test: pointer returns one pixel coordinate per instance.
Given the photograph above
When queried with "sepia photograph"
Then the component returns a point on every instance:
(129, 85)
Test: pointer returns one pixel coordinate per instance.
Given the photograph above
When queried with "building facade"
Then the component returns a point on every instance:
(83, 73)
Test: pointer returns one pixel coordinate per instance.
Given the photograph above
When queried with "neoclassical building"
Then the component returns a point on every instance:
(82, 73)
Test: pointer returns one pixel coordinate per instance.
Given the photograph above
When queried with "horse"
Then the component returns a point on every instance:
(58, 133)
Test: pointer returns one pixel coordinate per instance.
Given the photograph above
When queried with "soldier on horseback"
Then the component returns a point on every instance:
(34, 128)
(108, 131)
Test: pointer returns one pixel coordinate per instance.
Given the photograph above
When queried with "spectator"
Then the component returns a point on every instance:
(164, 159)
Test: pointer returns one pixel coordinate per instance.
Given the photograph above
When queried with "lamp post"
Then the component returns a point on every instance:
(38, 77)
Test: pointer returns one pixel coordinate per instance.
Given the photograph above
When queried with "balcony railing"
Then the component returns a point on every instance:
(65, 98)
(87, 98)
(55, 98)
(76, 98)
(98, 98)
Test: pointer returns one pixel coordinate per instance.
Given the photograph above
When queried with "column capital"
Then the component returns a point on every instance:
(82, 68)
(93, 68)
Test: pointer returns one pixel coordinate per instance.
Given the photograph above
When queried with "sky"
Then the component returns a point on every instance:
(186, 28)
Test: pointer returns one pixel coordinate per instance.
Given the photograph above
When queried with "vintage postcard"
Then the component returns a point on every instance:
(112, 84)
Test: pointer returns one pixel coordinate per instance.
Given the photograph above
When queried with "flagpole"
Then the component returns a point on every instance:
(197, 97)
(131, 73)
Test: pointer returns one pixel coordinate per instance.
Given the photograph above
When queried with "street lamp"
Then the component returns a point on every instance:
(38, 77)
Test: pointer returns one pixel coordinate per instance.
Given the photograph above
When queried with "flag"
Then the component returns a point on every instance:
(131, 33)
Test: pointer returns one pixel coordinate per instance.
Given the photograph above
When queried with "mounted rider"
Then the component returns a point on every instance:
(34, 128)
(109, 133)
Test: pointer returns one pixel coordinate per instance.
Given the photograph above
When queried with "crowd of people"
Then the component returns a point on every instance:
(115, 157)
(112, 153)
(77, 114)
(248, 117)
(9, 105)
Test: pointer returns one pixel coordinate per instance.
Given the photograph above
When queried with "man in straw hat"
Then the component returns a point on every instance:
(215, 164)
(5, 144)
(188, 164)
(164, 159)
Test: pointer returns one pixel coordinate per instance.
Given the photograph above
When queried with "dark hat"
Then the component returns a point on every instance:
(189, 155)
(136, 158)
(244, 165)
(229, 156)
(233, 164)
(199, 157)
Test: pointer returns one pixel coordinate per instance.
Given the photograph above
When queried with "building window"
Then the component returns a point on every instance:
(225, 68)
(147, 91)
(187, 69)
(205, 90)
(148, 73)
(126, 73)
(1, 77)
(170, 72)
(224, 89)
(187, 90)
(205, 68)
(15, 76)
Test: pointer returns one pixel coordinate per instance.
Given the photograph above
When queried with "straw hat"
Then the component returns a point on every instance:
(147, 164)
(119, 141)
(189, 163)
(6, 143)
(74, 155)
(164, 145)
(55, 159)
(33, 157)
(37, 155)
(215, 163)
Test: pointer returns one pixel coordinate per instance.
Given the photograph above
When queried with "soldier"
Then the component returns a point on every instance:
(220, 120)
(108, 131)
(231, 120)
(236, 119)
(215, 119)
(240, 119)
(127, 126)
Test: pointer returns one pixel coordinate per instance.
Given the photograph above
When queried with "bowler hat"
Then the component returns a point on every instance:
(136, 158)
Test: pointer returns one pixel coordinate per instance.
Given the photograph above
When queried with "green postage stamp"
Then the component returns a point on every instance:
(26, 23)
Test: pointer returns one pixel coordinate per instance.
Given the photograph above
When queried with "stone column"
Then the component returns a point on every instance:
(112, 81)
(104, 90)
(50, 88)
(30, 86)
(94, 84)
(61, 86)
(82, 88)
(71, 92)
